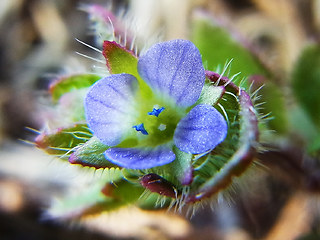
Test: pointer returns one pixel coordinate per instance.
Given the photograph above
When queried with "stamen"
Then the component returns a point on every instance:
(140, 128)
(156, 111)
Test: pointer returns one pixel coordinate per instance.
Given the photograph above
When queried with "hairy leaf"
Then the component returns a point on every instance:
(306, 82)
(108, 193)
(62, 141)
(73, 82)
(218, 46)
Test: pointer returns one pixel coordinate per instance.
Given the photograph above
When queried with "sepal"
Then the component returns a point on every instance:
(121, 60)
(211, 94)
(62, 141)
(91, 154)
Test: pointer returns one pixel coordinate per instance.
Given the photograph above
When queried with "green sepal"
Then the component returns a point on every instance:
(181, 167)
(121, 60)
(217, 46)
(108, 193)
(62, 141)
(211, 94)
(306, 82)
(67, 84)
(177, 173)
(91, 154)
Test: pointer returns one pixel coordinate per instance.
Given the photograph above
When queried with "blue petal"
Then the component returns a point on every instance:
(140, 158)
(109, 107)
(174, 69)
(201, 130)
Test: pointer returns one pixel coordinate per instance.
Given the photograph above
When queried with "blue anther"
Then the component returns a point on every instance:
(156, 112)
(140, 128)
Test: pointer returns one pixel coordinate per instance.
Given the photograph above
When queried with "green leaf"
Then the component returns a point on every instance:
(217, 46)
(70, 83)
(70, 108)
(306, 82)
(108, 193)
(273, 100)
(314, 147)
(62, 141)
(303, 126)
(91, 154)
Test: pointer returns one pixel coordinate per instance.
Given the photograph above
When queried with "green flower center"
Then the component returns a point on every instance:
(155, 121)
(156, 125)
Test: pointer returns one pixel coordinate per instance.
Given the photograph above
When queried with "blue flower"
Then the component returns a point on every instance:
(141, 118)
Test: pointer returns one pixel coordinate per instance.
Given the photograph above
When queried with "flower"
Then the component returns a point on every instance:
(142, 119)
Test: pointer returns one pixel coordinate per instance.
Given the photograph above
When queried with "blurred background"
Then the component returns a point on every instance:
(37, 42)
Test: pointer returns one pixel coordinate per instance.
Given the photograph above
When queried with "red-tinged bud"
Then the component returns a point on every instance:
(108, 189)
(155, 183)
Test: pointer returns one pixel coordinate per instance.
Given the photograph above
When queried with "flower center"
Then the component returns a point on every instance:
(157, 125)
